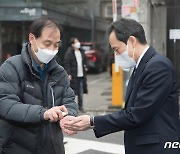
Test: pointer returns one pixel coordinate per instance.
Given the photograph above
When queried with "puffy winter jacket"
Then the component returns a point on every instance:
(70, 65)
(23, 101)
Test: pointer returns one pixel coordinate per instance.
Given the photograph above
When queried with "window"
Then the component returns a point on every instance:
(108, 10)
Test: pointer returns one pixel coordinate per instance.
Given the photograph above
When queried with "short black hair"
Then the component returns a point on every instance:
(124, 28)
(39, 23)
(72, 40)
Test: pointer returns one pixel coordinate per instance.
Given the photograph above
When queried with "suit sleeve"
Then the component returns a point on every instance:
(11, 106)
(151, 96)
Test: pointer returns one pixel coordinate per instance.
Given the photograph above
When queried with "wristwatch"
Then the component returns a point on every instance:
(91, 122)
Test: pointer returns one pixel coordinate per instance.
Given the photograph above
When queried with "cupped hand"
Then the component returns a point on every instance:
(55, 113)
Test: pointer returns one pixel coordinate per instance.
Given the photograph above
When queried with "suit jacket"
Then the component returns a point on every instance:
(151, 114)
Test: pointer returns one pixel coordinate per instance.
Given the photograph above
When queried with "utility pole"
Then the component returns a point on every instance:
(91, 6)
(117, 73)
(114, 8)
(0, 44)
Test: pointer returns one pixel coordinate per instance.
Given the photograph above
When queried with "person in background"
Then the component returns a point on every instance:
(35, 94)
(75, 66)
(150, 119)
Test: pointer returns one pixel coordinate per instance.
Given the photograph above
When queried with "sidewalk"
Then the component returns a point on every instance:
(96, 102)
(99, 96)
(91, 147)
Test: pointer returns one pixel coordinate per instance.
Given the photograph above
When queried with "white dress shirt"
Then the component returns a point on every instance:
(139, 59)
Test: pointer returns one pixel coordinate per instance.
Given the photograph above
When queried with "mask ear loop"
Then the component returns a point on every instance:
(133, 52)
(33, 48)
(36, 45)
(128, 49)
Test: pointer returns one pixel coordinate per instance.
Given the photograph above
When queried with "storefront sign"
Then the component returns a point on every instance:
(31, 12)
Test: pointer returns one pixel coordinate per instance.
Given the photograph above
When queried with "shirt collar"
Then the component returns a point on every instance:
(41, 71)
(137, 64)
(39, 68)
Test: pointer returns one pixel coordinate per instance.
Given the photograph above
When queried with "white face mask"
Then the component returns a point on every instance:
(123, 60)
(45, 55)
(77, 45)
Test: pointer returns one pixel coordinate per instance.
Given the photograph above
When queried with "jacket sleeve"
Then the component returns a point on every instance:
(151, 96)
(67, 62)
(11, 106)
(68, 99)
(84, 58)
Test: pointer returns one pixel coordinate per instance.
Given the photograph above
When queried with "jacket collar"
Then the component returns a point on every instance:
(147, 56)
(26, 56)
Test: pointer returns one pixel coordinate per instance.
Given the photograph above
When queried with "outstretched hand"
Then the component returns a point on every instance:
(65, 130)
(75, 124)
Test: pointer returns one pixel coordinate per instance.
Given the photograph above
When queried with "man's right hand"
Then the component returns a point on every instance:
(55, 113)
(74, 124)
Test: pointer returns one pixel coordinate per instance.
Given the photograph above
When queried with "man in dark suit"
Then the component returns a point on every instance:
(150, 118)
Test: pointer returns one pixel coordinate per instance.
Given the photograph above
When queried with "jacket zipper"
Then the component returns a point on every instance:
(52, 94)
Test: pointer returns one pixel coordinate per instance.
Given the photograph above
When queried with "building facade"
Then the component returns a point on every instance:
(16, 16)
(88, 20)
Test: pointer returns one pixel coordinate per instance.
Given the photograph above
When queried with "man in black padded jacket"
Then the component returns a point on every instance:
(34, 90)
